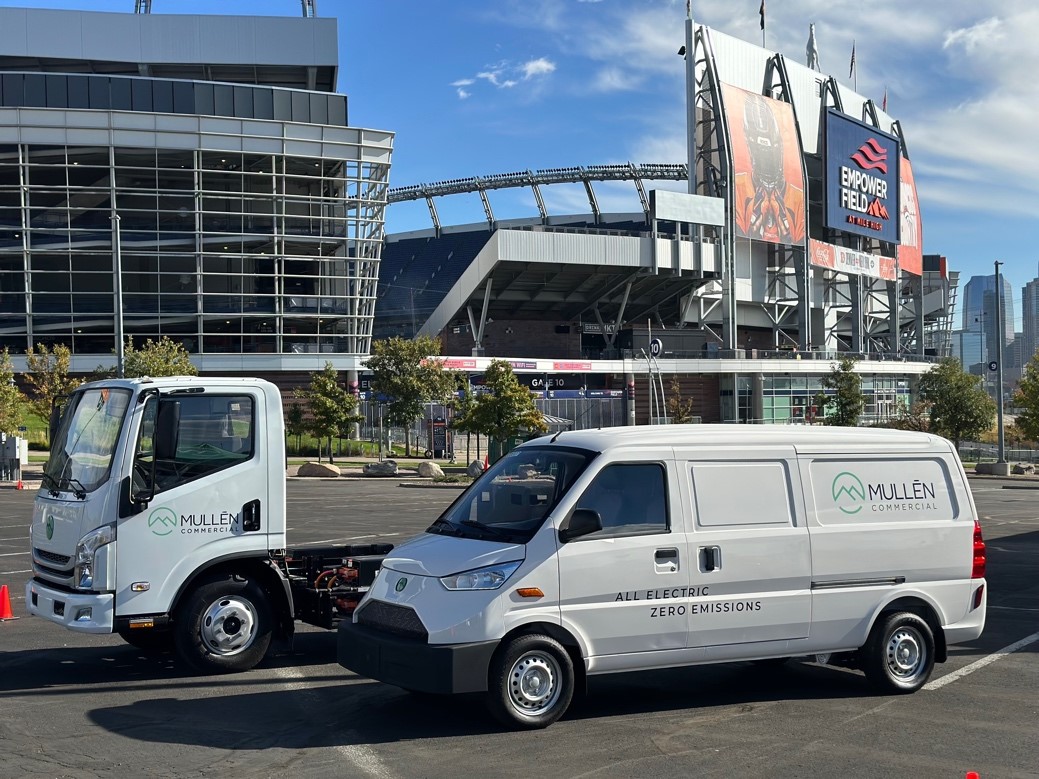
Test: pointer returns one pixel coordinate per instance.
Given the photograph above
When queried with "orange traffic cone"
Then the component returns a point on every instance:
(5, 604)
(486, 461)
(19, 485)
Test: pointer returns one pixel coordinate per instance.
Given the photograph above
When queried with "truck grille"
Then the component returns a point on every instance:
(51, 557)
(391, 618)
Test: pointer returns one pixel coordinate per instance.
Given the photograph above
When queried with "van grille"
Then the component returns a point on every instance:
(391, 618)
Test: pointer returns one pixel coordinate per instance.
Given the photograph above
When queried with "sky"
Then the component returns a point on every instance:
(477, 87)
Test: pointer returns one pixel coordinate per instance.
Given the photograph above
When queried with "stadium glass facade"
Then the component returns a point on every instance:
(247, 219)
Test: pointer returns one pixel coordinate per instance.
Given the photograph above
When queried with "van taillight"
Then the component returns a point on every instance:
(978, 569)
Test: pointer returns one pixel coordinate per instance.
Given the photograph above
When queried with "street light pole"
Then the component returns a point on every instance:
(117, 260)
(1001, 451)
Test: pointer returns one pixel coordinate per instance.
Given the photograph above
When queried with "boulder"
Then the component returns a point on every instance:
(526, 471)
(385, 468)
(474, 469)
(319, 470)
(1023, 468)
(428, 469)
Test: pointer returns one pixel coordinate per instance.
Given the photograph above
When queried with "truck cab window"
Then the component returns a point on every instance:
(214, 432)
(630, 498)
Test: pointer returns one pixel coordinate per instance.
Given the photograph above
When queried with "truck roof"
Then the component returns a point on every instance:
(803, 437)
(175, 381)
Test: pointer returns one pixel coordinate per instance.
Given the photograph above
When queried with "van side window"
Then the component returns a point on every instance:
(630, 498)
(215, 432)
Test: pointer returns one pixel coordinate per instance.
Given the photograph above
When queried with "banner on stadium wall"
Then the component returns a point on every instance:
(845, 260)
(768, 181)
(861, 178)
(911, 247)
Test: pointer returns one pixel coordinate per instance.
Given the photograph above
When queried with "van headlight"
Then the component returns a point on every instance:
(490, 577)
(85, 551)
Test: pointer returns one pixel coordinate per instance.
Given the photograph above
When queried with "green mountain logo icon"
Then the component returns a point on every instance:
(162, 521)
(848, 492)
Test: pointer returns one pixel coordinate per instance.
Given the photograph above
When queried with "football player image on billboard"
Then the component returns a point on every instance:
(911, 241)
(768, 180)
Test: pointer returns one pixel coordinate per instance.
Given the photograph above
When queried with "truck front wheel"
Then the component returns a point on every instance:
(223, 626)
(531, 682)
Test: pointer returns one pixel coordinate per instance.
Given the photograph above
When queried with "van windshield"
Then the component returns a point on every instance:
(511, 500)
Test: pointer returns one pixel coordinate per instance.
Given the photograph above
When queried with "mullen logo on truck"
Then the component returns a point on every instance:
(164, 521)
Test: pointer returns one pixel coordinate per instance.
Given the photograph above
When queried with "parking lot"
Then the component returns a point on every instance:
(83, 706)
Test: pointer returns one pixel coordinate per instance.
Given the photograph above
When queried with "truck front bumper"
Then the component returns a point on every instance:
(87, 612)
(414, 665)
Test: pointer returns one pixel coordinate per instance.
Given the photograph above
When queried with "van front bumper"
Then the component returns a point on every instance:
(86, 612)
(414, 665)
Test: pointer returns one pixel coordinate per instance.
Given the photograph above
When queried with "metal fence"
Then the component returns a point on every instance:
(974, 452)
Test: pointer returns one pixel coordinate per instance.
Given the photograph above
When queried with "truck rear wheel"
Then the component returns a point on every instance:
(899, 655)
(531, 682)
(223, 626)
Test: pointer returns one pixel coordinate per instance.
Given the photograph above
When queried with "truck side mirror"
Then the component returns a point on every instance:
(581, 523)
(167, 429)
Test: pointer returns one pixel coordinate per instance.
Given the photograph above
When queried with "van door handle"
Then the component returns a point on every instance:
(711, 556)
(666, 560)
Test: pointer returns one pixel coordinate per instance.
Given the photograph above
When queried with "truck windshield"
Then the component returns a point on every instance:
(511, 500)
(82, 449)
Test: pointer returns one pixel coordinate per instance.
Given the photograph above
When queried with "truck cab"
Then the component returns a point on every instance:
(161, 517)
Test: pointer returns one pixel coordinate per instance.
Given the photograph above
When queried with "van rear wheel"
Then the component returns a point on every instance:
(899, 655)
(531, 682)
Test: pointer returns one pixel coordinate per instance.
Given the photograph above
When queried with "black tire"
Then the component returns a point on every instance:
(148, 640)
(530, 683)
(223, 626)
(899, 655)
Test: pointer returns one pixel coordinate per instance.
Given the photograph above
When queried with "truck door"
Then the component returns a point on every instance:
(622, 588)
(211, 493)
(750, 544)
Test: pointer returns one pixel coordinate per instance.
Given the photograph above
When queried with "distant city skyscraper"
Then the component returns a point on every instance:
(1029, 320)
(979, 311)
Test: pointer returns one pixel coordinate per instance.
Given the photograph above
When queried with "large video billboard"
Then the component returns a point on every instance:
(861, 178)
(766, 155)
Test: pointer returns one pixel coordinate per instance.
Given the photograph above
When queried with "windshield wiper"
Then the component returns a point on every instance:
(493, 532)
(444, 527)
(53, 489)
(77, 488)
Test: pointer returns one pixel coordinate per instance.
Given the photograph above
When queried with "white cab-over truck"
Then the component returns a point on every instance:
(625, 549)
(161, 517)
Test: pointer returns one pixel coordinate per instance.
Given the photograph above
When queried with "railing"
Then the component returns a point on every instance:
(829, 355)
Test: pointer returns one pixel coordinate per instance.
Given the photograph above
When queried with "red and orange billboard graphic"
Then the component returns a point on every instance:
(768, 179)
(911, 233)
(845, 260)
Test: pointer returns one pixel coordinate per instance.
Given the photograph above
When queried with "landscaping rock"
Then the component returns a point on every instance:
(385, 468)
(319, 470)
(430, 470)
(1023, 468)
(474, 469)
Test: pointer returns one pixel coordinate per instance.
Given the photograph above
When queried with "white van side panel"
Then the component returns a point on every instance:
(884, 527)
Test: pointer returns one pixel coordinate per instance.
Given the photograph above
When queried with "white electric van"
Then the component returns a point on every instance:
(633, 548)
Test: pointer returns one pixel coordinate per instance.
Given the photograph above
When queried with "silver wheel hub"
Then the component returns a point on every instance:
(534, 684)
(228, 626)
(905, 653)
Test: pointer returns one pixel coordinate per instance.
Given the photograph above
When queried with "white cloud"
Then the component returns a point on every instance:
(462, 94)
(612, 79)
(462, 82)
(537, 67)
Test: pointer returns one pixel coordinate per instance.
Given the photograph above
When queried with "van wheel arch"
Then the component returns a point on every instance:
(564, 637)
(926, 612)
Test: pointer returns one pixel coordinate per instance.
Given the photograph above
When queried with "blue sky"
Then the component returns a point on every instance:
(475, 87)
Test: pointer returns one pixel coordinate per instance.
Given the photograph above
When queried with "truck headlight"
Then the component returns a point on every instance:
(490, 577)
(85, 551)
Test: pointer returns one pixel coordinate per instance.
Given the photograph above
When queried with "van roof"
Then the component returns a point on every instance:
(803, 437)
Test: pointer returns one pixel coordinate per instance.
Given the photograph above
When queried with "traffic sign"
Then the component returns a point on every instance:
(993, 365)
(656, 347)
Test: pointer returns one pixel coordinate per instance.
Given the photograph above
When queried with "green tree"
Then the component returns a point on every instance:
(296, 423)
(10, 396)
(408, 373)
(1027, 399)
(847, 400)
(679, 409)
(463, 403)
(47, 377)
(960, 408)
(332, 408)
(164, 357)
(508, 408)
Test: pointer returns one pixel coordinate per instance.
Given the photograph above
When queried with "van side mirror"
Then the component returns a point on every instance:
(582, 522)
(167, 429)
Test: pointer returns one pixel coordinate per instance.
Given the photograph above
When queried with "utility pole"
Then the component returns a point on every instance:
(1001, 457)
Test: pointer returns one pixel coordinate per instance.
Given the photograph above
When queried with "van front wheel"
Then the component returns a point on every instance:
(899, 655)
(531, 682)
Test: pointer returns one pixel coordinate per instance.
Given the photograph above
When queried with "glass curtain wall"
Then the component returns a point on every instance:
(225, 252)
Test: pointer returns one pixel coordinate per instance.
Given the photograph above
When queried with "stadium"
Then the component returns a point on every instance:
(216, 193)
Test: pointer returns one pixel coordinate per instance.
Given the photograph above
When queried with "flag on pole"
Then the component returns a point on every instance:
(761, 12)
(851, 67)
(883, 105)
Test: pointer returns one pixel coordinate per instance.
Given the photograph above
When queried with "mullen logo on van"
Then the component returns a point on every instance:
(848, 492)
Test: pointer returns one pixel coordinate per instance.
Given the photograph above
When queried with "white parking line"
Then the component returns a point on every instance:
(340, 540)
(12, 554)
(969, 669)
